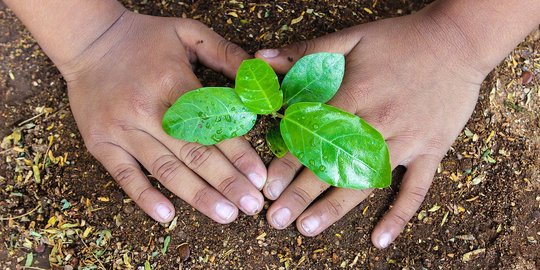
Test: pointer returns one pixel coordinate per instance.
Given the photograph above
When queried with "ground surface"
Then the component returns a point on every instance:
(58, 204)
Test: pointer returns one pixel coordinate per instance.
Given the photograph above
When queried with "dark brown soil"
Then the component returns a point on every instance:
(483, 211)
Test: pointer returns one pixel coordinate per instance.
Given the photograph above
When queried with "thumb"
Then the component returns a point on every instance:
(284, 58)
(211, 49)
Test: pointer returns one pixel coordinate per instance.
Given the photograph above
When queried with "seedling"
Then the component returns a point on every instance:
(340, 148)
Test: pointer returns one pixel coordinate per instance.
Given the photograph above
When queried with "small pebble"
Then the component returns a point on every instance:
(526, 77)
(183, 252)
(128, 209)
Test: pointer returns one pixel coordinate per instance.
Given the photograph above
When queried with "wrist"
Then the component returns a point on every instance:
(479, 34)
(66, 29)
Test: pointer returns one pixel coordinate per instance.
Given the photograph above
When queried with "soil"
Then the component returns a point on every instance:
(59, 208)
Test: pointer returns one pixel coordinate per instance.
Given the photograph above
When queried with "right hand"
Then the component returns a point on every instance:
(120, 87)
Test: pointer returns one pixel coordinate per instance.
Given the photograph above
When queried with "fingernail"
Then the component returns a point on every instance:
(269, 53)
(281, 217)
(274, 189)
(311, 224)
(163, 211)
(225, 210)
(384, 240)
(249, 204)
(256, 179)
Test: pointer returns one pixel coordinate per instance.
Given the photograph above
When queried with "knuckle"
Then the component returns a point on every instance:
(303, 47)
(346, 100)
(227, 185)
(416, 195)
(334, 207)
(240, 158)
(229, 48)
(166, 168)
(143, 195)
(399, 217)
(301, 196)
(168, 80)
(387, 113)
(124, 174)
(288, 166)
(195, 155)
(201, 197)
(434, 148)
(141, 105)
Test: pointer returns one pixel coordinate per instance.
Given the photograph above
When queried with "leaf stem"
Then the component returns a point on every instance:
(278, 115)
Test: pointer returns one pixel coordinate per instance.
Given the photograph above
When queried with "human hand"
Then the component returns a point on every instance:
(412, 81)
(119, 89)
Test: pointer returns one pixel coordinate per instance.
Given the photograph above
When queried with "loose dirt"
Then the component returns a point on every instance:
(58, 204)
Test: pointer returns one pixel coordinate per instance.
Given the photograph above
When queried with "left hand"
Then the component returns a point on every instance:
(408, 82)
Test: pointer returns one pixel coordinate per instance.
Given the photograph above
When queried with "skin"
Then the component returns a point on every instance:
(123, 71)
(416, 79)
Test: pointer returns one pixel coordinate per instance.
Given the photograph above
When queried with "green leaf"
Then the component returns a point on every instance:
(314, 78)
(29, 260)
(257, 86)
(276, 143)
(208, 115)
(340, 148)
(147, 265)
(166, 244)
(65, 204)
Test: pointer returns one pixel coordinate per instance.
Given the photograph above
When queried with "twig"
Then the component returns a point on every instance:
(30, 119)
(23, 215)
(38, 115)
(93, 254)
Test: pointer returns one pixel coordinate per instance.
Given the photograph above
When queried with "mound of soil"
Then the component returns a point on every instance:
(59, 207)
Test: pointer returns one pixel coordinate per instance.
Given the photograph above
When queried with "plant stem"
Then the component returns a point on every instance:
(278, 115)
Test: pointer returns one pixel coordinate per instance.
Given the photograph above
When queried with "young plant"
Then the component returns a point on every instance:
(340, 148)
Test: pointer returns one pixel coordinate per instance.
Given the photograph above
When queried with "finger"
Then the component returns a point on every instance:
(211, 165)
(280, 173)
(127, 173)
(245, 159)
(339, 42)
(414, 187)
(210, 48)
(179, 179)
(295, 199)
(177, 82)
(400, 151)
(329, 209)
